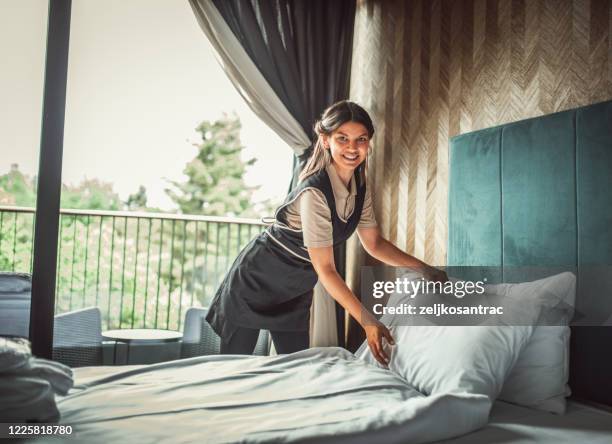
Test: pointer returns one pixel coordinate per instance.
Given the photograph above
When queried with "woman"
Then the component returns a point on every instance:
(269, 285)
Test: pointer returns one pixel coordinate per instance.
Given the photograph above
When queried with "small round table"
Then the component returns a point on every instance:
(140, 335)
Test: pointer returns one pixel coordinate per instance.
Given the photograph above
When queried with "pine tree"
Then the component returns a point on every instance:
(215, 184)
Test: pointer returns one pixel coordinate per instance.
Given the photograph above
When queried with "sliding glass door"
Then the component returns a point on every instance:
(23, 34)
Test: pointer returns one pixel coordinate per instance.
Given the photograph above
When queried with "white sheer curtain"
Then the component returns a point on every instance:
(246, 78)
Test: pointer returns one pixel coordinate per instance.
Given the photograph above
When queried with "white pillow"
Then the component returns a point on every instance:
(445, 359)
(482, 359)
(540, 376)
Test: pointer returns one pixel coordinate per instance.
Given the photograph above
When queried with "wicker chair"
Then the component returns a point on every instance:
(15, 297)
(77, 337)
(200, 339)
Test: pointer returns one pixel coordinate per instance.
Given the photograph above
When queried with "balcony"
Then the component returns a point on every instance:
(142, 270)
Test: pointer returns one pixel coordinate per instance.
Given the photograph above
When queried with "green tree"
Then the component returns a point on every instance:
(17, 188)
(16, 229)
(137, 200)
(91, 194)
(215, 184)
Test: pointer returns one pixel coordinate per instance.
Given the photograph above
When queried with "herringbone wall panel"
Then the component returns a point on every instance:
(428, 70)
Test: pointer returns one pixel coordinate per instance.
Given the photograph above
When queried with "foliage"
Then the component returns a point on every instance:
(19, 189)
(138, 200)
(91, 194)
(215, 184)
(142, 272)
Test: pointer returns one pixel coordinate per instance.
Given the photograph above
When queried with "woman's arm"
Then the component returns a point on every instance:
(383, 250)
(323, 261)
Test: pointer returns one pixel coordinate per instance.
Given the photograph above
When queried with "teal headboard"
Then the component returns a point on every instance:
(539, 193)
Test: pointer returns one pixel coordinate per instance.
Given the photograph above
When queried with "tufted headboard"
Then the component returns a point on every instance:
(538, 193)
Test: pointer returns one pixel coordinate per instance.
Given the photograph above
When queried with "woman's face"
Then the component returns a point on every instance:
(348, 145)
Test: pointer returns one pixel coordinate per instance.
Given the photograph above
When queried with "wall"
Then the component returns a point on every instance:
(429, 70)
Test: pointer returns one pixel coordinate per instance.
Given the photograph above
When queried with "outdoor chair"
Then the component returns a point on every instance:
(15, 296)
(200, 339)
(77, 337)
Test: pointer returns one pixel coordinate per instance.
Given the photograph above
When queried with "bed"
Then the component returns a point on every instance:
(537, 199)
(171, 402)
(510, 423)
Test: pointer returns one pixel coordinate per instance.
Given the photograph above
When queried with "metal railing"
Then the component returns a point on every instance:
(143, 270)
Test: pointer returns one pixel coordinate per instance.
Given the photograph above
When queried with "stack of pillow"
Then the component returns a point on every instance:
(524, 363)
(28, 385)
(539, 379)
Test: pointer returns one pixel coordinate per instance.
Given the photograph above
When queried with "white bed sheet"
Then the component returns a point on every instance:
(321, 394)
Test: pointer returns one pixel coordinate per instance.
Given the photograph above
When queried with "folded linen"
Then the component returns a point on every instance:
(57, 374)
(27, 399)
(14, 353)
(28, 384)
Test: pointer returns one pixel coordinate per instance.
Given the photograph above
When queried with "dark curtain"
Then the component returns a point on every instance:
(303, 49)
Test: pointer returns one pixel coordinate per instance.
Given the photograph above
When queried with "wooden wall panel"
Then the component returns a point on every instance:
(431, 69)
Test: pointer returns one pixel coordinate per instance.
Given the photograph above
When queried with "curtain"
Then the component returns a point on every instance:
(247, 79)
(289, 59)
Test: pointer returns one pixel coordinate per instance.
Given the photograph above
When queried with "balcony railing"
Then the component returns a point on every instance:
(143, 270)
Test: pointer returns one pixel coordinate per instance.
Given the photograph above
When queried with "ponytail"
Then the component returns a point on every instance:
(320, 157)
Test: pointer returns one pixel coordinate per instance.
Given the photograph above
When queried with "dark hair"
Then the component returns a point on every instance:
(332, 118)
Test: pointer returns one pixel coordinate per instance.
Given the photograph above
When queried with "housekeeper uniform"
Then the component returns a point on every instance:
(269, 285)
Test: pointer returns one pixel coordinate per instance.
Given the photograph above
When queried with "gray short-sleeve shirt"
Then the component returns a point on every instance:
(310, 213)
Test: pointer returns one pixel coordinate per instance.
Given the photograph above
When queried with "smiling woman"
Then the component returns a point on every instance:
(352, 154)
(341, 123)
(270, 284)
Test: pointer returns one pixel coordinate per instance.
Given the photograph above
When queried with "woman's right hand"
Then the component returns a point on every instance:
(375, 331)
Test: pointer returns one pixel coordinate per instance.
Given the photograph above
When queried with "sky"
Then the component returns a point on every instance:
(141, 77)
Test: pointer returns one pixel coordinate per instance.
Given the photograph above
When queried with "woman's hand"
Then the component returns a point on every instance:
(375, 331)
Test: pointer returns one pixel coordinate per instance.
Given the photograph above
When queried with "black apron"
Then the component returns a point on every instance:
(269, 285)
